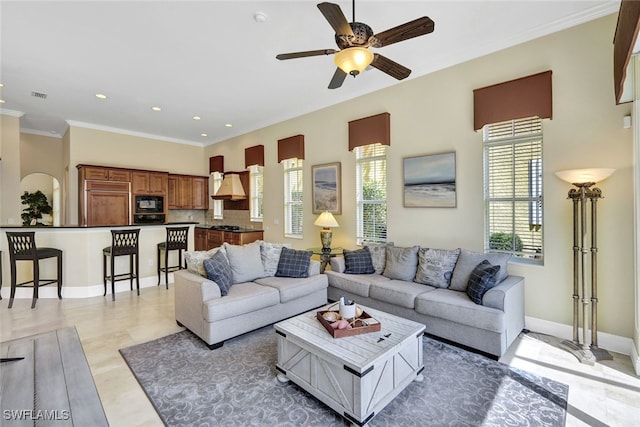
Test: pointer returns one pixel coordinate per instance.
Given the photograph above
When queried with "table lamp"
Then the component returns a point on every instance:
(326, 221)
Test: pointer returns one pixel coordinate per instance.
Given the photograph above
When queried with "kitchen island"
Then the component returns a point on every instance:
(82, 258)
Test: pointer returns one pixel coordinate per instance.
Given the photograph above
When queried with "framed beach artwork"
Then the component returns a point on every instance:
(326, 188)
(430, 181)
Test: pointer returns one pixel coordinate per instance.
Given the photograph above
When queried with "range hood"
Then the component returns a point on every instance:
(230, 189)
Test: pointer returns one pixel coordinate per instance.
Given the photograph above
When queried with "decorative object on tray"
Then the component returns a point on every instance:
(340, 326)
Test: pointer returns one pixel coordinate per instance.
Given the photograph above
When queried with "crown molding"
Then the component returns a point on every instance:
(41, 133)
(12, 113)
(132, 133)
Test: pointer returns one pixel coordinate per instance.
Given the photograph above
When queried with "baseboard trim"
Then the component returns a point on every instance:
(607, 341)
(96, 290)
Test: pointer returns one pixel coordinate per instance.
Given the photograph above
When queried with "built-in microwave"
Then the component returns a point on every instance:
(149, 204)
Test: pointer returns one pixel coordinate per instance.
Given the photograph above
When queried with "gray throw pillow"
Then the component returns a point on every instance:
(245, 262)
(435, 266)
(468, 260)
(402, 263)
(483, 277)
(358, 262)
(294, 263)
(218, 270)
(270, 253)
(195, 260)
(378, 255)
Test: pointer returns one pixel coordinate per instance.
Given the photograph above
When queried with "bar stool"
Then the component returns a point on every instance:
(123, 242)
(177, 240)
(22, 247)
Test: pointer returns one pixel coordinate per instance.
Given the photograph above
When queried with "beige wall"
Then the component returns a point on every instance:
(10, 205)
(434, 114)
(41, 154)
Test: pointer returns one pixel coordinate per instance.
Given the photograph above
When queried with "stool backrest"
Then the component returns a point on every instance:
(177, 238)
(22, 245)
(124, 242)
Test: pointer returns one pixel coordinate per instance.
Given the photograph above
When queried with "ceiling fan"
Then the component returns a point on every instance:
(355, 38)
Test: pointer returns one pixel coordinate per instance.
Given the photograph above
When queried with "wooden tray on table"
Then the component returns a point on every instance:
(357, 330)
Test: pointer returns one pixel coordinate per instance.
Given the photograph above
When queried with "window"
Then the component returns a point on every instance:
(293, 197)
(256, 207)
(371, 193)
(513, 188)
(217, 204)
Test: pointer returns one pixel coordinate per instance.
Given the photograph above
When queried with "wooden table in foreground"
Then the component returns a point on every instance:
(355, 376)
(50, 384)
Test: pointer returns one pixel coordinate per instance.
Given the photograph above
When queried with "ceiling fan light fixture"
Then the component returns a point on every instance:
(353, 60)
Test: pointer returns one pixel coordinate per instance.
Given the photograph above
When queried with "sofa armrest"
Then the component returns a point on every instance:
(505, 295)
(193, 286)
(314, 267)
(337, 264)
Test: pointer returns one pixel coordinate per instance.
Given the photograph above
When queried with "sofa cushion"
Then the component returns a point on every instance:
(219, 271)
(398, 292)
(356, 284)
(245, 261)
(456, 307)
(435, 266)
(293, 288)
(378, 253)
(293, 263)
(358, 262)
(468, 260)
(195, 260)
(270, 253)
(401, 263)
(242, 298)
(482, 278)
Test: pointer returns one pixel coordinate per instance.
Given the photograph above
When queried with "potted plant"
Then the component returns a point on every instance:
(37, 205)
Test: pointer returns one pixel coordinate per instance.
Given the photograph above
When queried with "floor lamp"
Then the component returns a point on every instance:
(584, 181)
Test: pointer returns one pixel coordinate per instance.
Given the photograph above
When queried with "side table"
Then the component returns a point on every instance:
(325, 257)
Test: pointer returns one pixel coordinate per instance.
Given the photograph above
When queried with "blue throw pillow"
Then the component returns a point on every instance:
(483, 278)
(293, 263)
(358, 262)
(219, 271)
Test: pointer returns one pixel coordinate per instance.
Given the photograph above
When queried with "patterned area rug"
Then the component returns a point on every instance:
(236, 385)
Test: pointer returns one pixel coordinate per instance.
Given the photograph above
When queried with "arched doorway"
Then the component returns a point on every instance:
(48, 185)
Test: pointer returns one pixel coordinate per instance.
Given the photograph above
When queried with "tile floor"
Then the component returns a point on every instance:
(605, 394)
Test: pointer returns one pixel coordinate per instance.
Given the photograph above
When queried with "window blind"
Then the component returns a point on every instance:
(513, 188)
(371, 196)
(293, 197)
(217, 204)
(256, 206)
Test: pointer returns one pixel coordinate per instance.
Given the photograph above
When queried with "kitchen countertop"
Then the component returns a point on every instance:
(66, 227)
(240, 230)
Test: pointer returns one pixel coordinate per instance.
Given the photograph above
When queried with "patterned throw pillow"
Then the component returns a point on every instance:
(378, 255)
(358, 262)
(293, 263)
(195, 259)
(402, 263)
(483, 278)
(435, 266)
(219, 271)
(468, 260)
(270, 253)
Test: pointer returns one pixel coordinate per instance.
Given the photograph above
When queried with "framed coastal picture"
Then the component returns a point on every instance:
(326, 188)
(430, 181)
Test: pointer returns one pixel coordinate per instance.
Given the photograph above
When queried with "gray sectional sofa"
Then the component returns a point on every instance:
(440, 300)
(256, 297)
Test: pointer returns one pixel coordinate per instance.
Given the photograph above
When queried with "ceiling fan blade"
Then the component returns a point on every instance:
(306, 53)
(336, 18)
(337, 79)
(409, 30)
(390, 67)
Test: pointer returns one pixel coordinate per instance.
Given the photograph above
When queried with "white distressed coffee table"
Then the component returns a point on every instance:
(356, 376)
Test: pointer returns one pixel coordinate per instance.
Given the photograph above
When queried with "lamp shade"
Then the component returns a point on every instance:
(353, 60)
(581, 176)
(326, 220)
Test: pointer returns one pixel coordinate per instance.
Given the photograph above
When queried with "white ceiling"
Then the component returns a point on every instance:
(212, 59)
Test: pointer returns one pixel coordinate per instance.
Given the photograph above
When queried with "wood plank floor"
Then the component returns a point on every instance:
(605, 394)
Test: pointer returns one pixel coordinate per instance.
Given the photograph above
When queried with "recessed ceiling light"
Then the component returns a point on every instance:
(2, 101)
(156, 108)
(203, 134)
(101, 96)
(1, 84)
(229, 125)
(196, 117)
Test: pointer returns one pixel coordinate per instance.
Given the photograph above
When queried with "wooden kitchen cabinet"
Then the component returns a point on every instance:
(107, 208)
(215, 238)
(200, 192)
(104, 196)
(187, 192)
(200, 239)
(206, 239)
(104, 173)
(149, 183)
(242, 238)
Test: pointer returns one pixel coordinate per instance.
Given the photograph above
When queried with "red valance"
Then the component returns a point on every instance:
(216, 164)
(290, 148)
(626, 36)
(370, 130)
(254, 156)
